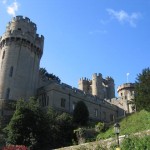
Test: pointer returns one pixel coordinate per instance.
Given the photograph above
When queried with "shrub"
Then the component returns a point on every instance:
(99, 127)
(136, 143)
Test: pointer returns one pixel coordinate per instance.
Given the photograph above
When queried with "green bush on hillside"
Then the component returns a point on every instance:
(136, 143)
(136, 122)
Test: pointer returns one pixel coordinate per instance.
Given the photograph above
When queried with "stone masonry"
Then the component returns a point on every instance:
(21, 49)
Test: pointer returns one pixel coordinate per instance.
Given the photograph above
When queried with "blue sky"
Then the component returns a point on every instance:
(83, 37)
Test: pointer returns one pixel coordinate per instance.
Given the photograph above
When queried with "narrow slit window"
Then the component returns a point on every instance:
(11, 71)
(3, 55)
(8, 93)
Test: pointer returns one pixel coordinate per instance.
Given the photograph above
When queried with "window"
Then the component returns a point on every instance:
(63, 102)
(7, 93)
(74, 105)
(96, 112)
(3, 55)
(104, 115)
(111, 117)
(11, 71)
(43, 99)
(47, 99)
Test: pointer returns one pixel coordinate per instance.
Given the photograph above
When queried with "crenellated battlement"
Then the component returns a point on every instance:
(21, 23)
(125, 86)
(95, 75)
(109, 78)
(22, 31)
(84, 79)
(103, 88)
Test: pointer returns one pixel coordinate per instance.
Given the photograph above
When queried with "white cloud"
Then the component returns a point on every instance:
(13, 8)
(123, 16)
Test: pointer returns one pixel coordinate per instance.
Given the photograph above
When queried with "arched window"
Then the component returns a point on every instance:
(11, 71)
(7, 93)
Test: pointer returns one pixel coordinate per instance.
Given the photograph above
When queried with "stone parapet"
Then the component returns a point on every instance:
(124, 86)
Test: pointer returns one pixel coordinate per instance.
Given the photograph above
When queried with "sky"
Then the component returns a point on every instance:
(82, 37)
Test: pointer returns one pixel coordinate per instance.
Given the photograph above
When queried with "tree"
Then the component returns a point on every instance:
(65, 132)
(61, 126)
(48, 76)
(142, 90)
(35, 127)
(81, 114)
(28, 126)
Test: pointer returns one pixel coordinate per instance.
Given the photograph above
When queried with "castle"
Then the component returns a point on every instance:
(21, 49)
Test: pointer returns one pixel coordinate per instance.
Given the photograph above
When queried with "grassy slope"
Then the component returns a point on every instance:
(137, 122)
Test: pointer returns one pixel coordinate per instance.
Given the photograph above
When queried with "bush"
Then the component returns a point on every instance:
(99, 127)
(136, 143)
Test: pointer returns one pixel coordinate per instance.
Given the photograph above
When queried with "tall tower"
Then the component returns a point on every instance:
(20, 53)
(97, 85)
(110, 88)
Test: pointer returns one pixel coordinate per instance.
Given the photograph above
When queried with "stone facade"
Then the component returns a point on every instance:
(20, 52)
(21, 49)
(102, 88)
(126, 97)
(63, 97)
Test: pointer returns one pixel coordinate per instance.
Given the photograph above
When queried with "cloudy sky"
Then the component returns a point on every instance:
(83, 37)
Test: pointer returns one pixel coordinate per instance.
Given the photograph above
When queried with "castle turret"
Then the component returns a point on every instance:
(85, 85)
(126, 95)
(20, 52)
(110, 88)
(97, 85)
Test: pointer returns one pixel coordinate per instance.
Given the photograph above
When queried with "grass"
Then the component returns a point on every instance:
(136, 122)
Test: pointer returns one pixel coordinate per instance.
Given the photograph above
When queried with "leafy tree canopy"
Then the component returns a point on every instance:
(142, 90)
(33, 126)
(28, 125)
(81, 114)
(49, 76)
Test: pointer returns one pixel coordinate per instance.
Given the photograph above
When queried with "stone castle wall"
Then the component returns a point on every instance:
(63, 97)
(21, 49)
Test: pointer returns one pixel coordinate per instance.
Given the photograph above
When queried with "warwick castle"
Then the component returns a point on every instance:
(21, 49)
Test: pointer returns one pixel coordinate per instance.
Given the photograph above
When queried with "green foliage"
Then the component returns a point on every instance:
(28, 125)
(136, 122)
(81, 114)
(49, 76)
(99, 126)
(64, 131)
(136, 143)
(34, 127)
(142, 89)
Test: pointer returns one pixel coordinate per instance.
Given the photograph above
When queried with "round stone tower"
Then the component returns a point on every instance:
(126, 95)
(97, 85)
(20, 53)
